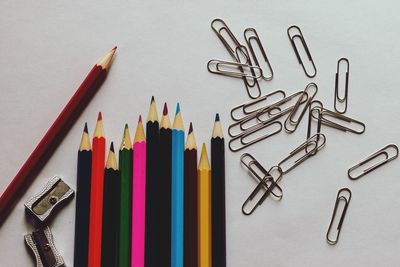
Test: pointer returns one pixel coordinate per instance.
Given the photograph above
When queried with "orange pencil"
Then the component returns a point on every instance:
(96, 194)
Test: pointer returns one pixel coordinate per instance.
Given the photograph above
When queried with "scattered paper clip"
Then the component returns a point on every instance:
(313, 104)
(300, 36)
(252, 86)
(338, 99)
(253, 131)
(385, 152)
(250, 34)
(324, 114)
(254, 105)
(219, 27)
(291, 123)
(217, 67)
(344, 195)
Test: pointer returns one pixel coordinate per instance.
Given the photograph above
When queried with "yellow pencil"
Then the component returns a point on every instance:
(204, 210)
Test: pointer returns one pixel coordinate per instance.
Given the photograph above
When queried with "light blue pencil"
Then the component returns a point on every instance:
(178, 139)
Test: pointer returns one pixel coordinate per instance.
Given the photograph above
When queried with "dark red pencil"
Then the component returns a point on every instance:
(54, 136)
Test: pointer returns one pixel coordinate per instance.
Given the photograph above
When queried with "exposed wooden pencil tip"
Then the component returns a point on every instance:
(165, 111)
(112, 147)
(140, 118)
(100, 117)
(152, 99)
(190, 128)
(126, 126)
(217, 117)
(115, 48)
(86, 128)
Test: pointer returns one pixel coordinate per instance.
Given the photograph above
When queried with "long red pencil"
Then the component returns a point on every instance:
(54, 136)
(96, 194)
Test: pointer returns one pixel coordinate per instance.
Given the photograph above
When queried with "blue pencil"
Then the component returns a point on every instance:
(178, 139)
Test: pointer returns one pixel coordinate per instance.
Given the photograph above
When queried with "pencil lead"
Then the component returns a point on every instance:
(112, 147)
(140, 118)
(126, 126)
(152, 99)
(115, 48)
(85, 141)
(86, 128)
(178, 108)
(190, 128)
(99, 117)
(165, 111)
(217, 117)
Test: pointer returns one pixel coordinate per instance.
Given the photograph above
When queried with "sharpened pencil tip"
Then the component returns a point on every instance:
(152, 99)
(115, 48)
(178, 108)
(112, 147)
(217, 117)
(190, 128)
(100, 117)
(86, 128)
(126, 126)
(165, 111)
(140, 118)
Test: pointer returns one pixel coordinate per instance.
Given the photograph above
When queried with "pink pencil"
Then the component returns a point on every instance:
(138, 196)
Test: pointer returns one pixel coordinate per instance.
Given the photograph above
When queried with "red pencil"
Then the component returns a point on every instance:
(54, 136)
(96, 194)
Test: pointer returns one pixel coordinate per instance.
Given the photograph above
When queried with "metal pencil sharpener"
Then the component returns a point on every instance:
(51, 198)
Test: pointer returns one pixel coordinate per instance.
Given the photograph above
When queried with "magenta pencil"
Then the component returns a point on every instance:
(138, 197)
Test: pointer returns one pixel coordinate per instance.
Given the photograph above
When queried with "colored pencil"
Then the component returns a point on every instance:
(190, 212)
(152, 248)
(54, 136)
(125, 207)
(83, 200)
(218, 195)
(138, 197)
(178, 139)
(96, 194)
(110, 211)
(204, 178)
(164, 190)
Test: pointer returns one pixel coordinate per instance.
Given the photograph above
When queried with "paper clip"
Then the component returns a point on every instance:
(341, 196)
(314, 104)
(279, 106)
(253, 131)
(217, 67)
(259, 172)
(314, 142)
(338, 99)
(325, 113)
(224, 28)
(385, 152)
(251, 34)
(254, 105)
(267, 185)
(254, 82)
(299, 35)
(291, 123)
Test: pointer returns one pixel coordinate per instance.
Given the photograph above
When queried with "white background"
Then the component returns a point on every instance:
(47, 47)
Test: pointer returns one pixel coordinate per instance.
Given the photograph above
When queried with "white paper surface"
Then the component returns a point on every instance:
(48, 47)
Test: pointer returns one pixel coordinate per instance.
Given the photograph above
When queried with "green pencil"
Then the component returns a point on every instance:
(125, 166)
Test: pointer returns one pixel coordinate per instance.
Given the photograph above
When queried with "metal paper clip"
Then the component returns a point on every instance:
(385, 152)
(344, 195)
(42, 245)
(291, 123)
(313, 104)
(279, 106)
(301, 153)
(253, 84)
(267, 185)
(55, 193)
(254, 105)
(254, 131)
(339, 99)
(251, 34)
(218, 30)
(217, 67)
(300, 36)
(325, 113)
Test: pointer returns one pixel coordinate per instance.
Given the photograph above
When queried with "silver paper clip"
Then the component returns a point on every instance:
(344, 195)
(338, 99)
(250, 34)
(230, 69)
(314, 104)
(219, 27)
(389, 153)
(251, 84)
(299, 35)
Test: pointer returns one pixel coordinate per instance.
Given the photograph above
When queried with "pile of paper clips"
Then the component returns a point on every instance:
(267, 115)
